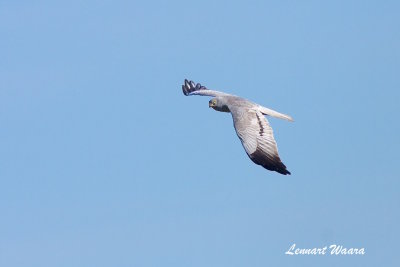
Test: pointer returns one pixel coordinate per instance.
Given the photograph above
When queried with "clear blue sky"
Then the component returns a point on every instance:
(104, 162)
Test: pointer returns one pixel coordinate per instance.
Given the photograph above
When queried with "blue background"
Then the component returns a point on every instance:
(104, 162)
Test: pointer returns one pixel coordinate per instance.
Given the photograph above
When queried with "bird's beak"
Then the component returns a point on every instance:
(209, 104)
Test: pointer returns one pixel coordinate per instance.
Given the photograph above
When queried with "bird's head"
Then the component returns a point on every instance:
(218, 104)
(213, 103)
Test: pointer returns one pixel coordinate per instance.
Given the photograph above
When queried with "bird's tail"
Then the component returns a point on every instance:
(273, 113)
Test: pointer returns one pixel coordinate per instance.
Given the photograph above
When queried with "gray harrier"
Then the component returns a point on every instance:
(250, 124)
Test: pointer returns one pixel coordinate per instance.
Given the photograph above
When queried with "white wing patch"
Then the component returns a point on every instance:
(247, 128)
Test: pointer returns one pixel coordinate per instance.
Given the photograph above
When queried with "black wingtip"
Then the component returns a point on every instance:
(285, 172)
(272, 164)
(280, 168)
(189, 87)
(184, 90)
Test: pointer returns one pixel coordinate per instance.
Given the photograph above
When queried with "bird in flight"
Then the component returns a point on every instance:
(250, 124)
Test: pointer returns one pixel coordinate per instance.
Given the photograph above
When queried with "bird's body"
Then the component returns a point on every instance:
(250, 124)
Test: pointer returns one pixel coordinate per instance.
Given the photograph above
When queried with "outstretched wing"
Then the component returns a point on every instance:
(190, 88)
(257, 138)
